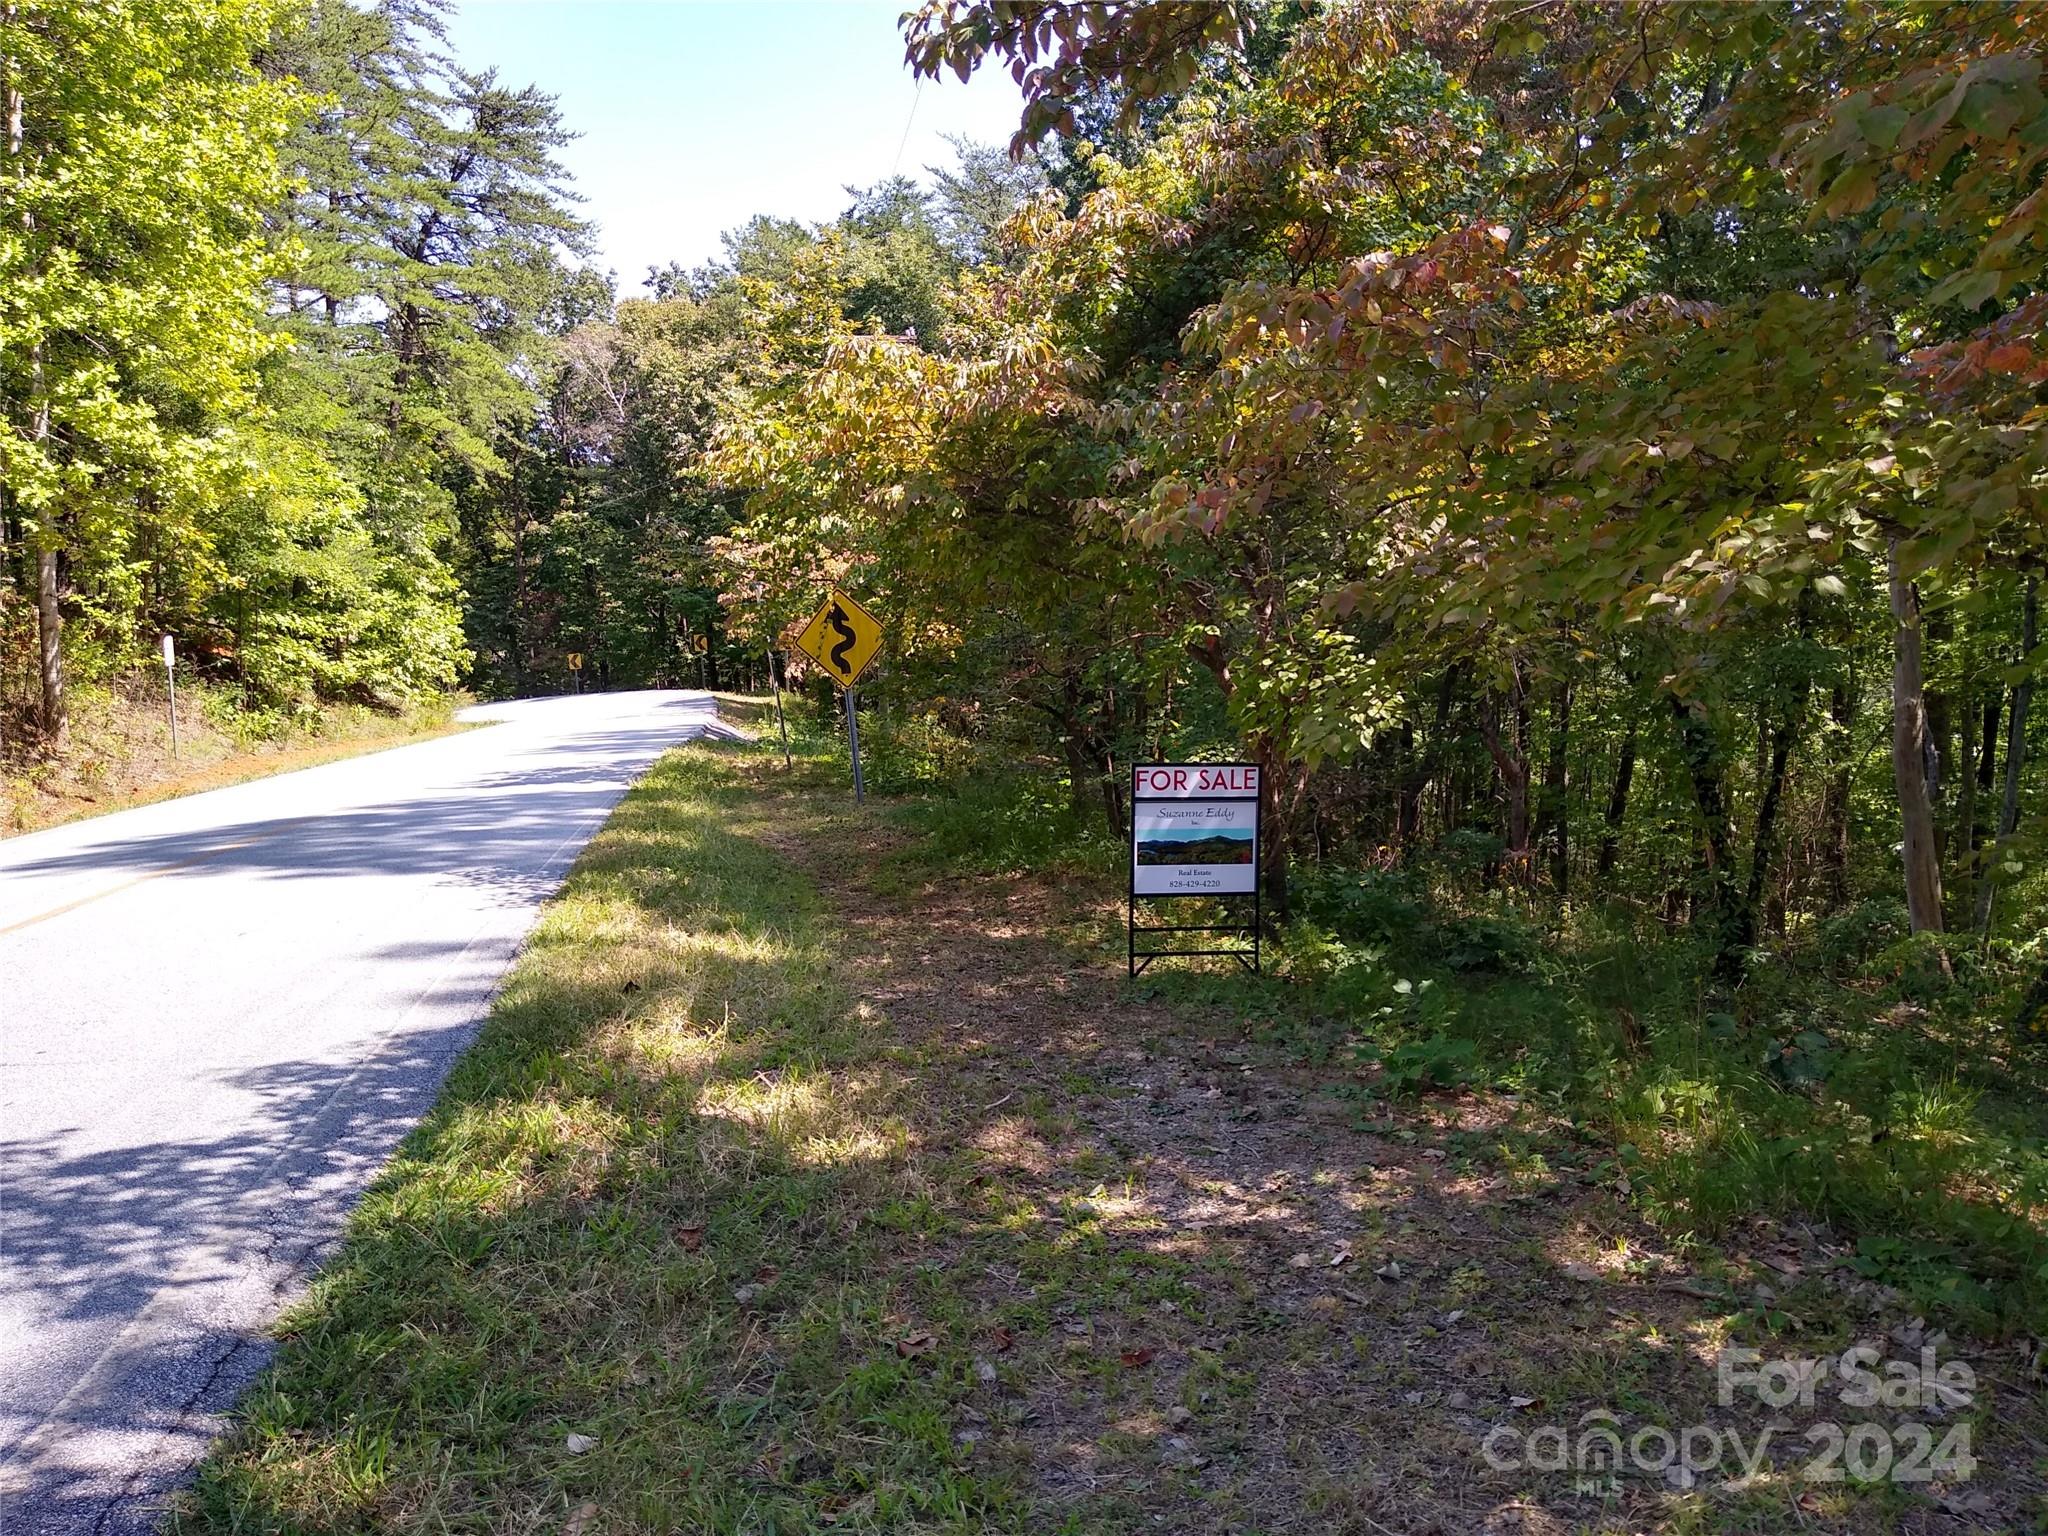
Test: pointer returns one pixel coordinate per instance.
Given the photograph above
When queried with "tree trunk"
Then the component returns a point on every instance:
(1763, 850)
(13, 96)
(49, 616)
(2015, 742)
(1556, 785)
(1835, 806)
(1421, 771)
(1511, 761)
(49, 642)
(1731, 922)
(1963, 843)
(1273, 831)
(1617, 804)
(1922, 854)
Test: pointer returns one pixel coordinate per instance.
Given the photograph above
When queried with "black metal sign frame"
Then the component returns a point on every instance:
(1139, 959)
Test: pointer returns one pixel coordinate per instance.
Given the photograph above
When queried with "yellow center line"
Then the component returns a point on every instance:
(169, 869)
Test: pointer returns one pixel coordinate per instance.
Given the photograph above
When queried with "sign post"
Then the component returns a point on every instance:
(844, 639)
(781, 725)
(1195, 833)
(171, 681)
(853, 741)
(576, 670)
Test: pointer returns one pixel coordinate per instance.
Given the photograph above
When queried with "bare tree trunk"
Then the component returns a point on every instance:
(1922, 854)
(1554, 813)
(1963, 843)
(1510, 760)
(1764, 846)
(9, 68)
(1617, 803)
(2015, 743)
(49, 637)
(1421, 770)
(49, 616)
(1733, 921)
(1835, 806)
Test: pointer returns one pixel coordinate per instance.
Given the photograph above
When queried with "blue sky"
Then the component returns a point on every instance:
(697, 114)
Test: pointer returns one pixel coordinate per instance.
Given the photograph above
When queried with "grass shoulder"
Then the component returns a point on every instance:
(818, 1170)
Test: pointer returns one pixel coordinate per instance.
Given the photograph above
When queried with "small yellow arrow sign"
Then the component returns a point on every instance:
(575, 661)
(843, 638)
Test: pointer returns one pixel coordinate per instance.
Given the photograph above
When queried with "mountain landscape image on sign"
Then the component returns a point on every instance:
(1209, 848)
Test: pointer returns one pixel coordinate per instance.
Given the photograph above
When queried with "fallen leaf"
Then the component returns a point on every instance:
(691, 1237)
(1178, 1415)
(914, 1344)
(1301, 1261)
(1521, 1402)
(1002, 1338)
(580, 1519)
(1391, 1270)
(1577, 1271)
(1136, 1357)
(1452, 1317)
(576, 1445)
(747, 1293)
(859, 1506)
(1341, 1256)
(984, 1370)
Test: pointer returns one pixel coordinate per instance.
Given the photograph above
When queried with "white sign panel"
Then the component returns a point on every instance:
(1194, 829)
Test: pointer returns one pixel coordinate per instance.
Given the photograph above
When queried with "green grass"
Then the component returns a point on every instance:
(768, 1210)
(1846, 1085)
(659, 1205)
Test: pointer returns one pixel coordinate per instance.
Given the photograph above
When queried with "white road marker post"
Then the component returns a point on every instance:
(171, 680)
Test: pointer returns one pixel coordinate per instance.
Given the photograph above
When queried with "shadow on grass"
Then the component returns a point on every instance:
(751, 1213)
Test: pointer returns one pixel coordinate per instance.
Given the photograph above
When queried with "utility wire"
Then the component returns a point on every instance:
(904, 142)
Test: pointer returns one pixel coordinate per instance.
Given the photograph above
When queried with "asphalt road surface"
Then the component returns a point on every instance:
(218, 1016)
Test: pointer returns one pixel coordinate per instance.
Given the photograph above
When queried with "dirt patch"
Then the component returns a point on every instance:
(1214, 1290)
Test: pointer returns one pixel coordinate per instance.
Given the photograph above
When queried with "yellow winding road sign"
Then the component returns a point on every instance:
(843, 638)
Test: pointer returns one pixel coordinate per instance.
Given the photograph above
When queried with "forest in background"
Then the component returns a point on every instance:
(1591, 457)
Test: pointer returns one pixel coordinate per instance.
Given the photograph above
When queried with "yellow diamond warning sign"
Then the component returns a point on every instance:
(843, 638)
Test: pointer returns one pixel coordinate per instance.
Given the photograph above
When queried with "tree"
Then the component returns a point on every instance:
(143, 155)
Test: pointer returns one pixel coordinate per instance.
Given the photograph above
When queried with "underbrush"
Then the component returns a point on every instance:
(1838, 1083)
(1847, 1081)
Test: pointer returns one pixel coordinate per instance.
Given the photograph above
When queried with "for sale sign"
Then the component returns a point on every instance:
(1194, 829)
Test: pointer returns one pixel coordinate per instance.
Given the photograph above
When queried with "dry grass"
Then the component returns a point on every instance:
(119, 752)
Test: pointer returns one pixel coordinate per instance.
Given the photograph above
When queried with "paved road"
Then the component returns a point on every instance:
(218, 1016)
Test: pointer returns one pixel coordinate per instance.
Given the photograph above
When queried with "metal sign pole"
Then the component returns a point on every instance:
(171, 680)
(781, 725)
(853, 740)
